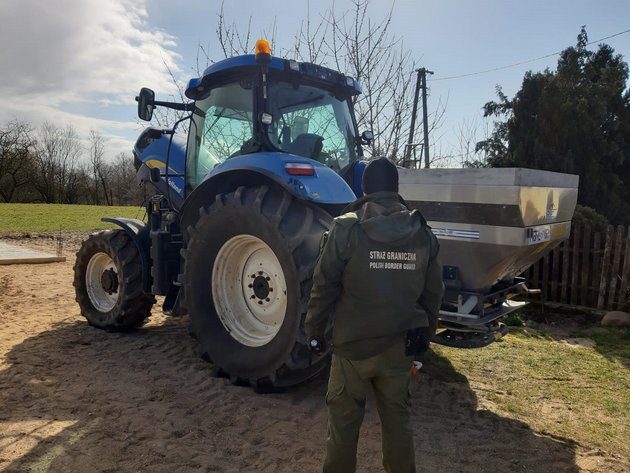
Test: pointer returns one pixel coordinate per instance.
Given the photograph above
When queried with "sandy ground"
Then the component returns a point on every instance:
(74, 399)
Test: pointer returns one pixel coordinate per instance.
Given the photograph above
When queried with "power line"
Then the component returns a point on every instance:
(494, 69)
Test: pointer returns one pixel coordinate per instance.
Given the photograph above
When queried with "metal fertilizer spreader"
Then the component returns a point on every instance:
(492, 225)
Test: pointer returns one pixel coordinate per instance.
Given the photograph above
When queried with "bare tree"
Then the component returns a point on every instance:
(233, 39)
(100, 171)
(16, 147)
(166, 117)
(469, 133)
(351, 42)
(124, 188)
(52, 166)
(378, 60)
(55, 161)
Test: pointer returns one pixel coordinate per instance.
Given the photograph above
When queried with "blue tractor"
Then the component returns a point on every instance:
(273, 153)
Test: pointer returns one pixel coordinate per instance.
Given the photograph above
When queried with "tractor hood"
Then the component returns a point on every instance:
(150, 151)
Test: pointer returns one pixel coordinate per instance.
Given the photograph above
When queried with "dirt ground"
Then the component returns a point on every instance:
(74, 399)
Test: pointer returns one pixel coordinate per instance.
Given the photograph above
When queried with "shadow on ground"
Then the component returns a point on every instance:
(78, 399)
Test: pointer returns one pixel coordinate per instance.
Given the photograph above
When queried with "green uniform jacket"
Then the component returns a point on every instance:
(378, 274)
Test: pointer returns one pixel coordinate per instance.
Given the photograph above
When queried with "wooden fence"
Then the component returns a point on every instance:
(590, 269)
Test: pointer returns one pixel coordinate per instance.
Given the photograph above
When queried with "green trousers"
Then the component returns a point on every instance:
(388, 374)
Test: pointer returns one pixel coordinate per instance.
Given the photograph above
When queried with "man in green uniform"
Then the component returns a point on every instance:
(380, 277)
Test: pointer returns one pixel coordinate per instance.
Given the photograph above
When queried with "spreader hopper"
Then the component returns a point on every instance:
(492, 225)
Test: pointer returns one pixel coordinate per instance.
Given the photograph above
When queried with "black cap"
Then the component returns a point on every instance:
(381, 175)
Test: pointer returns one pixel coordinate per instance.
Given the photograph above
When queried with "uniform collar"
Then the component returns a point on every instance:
(386, 199)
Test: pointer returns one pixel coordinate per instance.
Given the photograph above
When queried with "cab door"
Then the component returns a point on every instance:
(221, 133)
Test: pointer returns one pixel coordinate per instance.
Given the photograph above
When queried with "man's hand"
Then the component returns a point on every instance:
(317, 346)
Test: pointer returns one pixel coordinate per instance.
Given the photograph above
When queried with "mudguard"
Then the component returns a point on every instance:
(139, 234)
(325, 187)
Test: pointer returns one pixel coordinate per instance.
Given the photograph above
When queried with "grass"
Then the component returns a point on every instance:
(577, 392)
(513, 319)
(39, 218)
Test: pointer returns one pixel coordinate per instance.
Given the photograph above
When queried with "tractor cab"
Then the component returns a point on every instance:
(280, 110)
(290, 112)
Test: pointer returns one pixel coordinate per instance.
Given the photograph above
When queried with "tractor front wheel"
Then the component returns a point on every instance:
(108, 282)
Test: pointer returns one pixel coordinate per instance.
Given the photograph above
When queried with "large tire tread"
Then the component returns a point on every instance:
(134, 306)
(283, 213)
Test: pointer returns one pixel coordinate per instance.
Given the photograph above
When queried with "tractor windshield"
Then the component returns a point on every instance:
(311, 122)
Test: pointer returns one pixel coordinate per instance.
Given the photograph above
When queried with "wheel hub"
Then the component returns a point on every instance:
(101, 281)
(249, 290)
(109, 281)
(260, 287)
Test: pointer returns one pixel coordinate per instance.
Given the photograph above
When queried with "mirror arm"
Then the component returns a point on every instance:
(185, 107)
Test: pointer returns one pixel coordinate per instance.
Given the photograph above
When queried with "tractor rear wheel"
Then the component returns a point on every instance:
(108, 282)
(247, 277)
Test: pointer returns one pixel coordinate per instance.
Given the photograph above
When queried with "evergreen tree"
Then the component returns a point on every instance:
(574, 120)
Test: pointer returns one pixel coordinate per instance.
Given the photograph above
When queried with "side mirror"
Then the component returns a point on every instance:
(367, 137)
(145, 104)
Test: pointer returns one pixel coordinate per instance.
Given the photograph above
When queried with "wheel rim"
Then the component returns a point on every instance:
(249, 290)
(101, 280)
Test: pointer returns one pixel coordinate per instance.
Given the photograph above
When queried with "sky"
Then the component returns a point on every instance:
(81, 62)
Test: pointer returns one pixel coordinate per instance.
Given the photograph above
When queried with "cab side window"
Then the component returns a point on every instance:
(226, 127)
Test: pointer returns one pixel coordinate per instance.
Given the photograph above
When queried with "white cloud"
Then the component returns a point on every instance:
(60, 53)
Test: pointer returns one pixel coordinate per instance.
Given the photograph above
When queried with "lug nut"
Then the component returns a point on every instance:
(260, 302)
(250, 285)
(271, 289)
(268, 278)
(253, 296)
(267, 299)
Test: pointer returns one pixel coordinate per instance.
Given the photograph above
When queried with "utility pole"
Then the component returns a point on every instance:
(422, 73)
(421, 84)
(412, 127)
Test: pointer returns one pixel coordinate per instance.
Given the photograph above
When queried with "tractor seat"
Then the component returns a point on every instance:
(308, 145)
